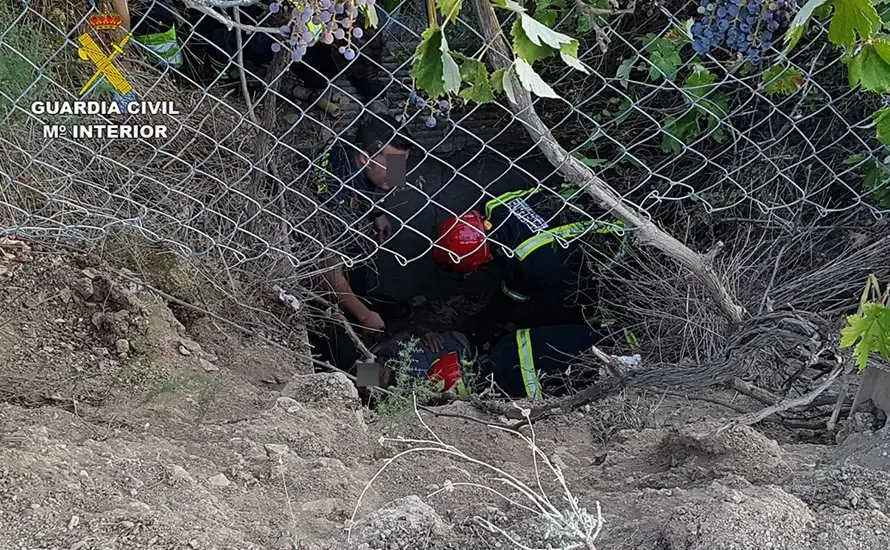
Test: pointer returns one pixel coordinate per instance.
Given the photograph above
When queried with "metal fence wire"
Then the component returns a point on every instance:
(227, 184)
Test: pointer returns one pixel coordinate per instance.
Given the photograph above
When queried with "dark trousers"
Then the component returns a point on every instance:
(553, 349)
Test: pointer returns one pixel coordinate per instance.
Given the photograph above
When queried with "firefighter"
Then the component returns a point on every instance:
(533, 235)
(350, 181)
(528, 363)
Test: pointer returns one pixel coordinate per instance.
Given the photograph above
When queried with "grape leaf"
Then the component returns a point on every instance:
(800, 23)
(665, 62)
(871, 67)
(475, 74)
(778, 80)
(882, 124)
(449, 7)
(509, 83)
(451, 72)
(624, 70)
(569, 54)
(868, 333)
(701, 82)
(545, 17)
(497, 80)
(434, 70)
(852, 17)
(541, 35)
(679, 131)
(509, 5)
(532, 81)
(525, 48)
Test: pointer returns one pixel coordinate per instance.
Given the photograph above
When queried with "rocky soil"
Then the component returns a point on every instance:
(121, 428)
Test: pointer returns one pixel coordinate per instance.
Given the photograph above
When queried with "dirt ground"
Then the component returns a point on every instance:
(121, 428)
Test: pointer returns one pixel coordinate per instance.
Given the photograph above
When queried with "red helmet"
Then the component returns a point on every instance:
(446, 369)
(466, 238)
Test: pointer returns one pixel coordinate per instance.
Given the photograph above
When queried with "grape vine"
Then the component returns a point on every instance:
(434, 109)
(748, 27)
(325, 21)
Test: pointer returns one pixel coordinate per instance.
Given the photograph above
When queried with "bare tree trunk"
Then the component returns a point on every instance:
(578, 174)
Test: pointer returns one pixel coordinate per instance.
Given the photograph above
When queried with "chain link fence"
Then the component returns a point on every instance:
(230, 185)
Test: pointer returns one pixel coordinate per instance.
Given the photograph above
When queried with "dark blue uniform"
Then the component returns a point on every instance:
(539, 225)
(534, 362)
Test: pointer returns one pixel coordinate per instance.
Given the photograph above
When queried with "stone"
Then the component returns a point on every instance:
(184, 350)
(208, 366)
(219, 480)
(178, 474)
(122, 346)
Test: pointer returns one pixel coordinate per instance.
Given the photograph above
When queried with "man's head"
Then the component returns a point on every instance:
(380, 144)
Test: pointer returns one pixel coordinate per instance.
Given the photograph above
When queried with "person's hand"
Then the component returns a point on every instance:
(372, 320)
(384, 228)
(434, 341)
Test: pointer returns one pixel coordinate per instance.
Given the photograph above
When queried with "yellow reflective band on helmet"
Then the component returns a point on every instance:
(502, 200)
(527, 364)
(513, 294)
(568, 231)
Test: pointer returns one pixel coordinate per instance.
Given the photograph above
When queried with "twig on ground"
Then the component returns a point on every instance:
(754, 418)
(576, 527)
(752, 391)
(610, 362)
(838, 405)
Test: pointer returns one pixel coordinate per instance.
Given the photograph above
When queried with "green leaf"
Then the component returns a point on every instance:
(532, 81)
(870, 68)
(882, 124)
(541, 35)
(509, 5)
(510, 83)
(701, 82)
(545, 17)
(569, 54)
(593, 163)
(868, 333)
(497, 80)
(800, 23)
(665, 62)
(778, 80)
(475, 74)
(525, 48)
(446, 7)
(624, 70)
(852, 17)
(434, 70)
(679, 131)
(451, 73)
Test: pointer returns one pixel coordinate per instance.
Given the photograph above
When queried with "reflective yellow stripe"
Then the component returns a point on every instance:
(502, 200)
(527, 364)
(513, 294)
(566, 232)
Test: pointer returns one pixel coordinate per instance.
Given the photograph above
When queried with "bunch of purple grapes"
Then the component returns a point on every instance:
(331, 19)
(440, 108)
(748, 27)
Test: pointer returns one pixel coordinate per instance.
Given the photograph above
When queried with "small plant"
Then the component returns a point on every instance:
(566, 525)
(408, 387)
(868, 331)
(208, 388)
